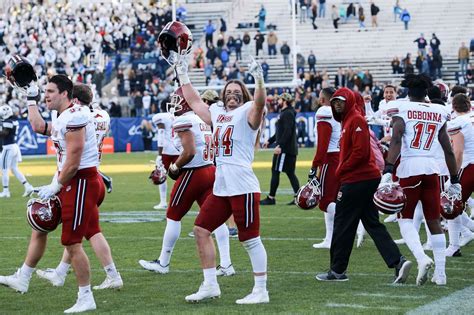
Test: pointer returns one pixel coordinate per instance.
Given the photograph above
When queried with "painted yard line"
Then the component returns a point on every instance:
(459, 302)
(365, 307)
(391, 296)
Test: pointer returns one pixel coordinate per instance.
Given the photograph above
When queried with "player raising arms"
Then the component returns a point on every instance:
(415, 126)
(82, 95)
(236, 191)
(78, 185)
(194, 172)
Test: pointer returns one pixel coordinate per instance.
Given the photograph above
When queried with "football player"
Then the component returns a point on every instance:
(193, 171)
(78, 185)
(236, 190)
(325, 161)
(82, 95)
(167, 153)
(10, 154)
(415, 127)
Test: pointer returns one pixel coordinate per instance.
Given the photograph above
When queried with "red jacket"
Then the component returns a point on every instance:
(356, 159)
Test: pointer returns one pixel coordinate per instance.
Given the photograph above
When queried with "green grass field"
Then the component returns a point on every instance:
(287, 233)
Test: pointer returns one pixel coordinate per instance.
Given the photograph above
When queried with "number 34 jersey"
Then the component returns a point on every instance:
(202, 138)
(234, 142)
(423, 122)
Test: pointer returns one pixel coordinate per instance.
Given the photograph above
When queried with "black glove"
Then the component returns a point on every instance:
(174, 172)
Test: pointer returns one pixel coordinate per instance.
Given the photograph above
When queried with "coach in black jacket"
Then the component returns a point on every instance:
(284, 158)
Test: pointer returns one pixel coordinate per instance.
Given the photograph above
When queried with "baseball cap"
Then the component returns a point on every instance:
(210, 95)
(339, 97)
(286, 97)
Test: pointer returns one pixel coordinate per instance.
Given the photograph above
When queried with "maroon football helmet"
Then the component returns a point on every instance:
(175, 40)
(443, 87)
(19, 72)
(44, 215)
(450, 207)
(390, 198)
(309, 195)
(177, 105)
(158, 176)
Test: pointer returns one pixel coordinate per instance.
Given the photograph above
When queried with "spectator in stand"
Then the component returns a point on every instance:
(407, 65)
(238, 48)
(322, 8)
(312, 61)
(437, 64)
(303, 9)
(272, 41)
(340, 78)
(208, 69)
(209, 30)
(396, 66)
(335, 17)
(265, 69)
(350, 12)
(285, 51)
(147, 134)
(421, 42)
(259, 39)
(262, 15)
(146, 100)
(361, 18)
(471, 46)
(138, 104)
(181, 13)
(231, 45)
(469, 74)
(463, 58)
(300, 61)
(435, 43)
(224, 56)
(220, 44)
(246, 40)
(115, 110)
(211, 53)
(223, 27)
(314, 14)
(374, 10)
(397, 10)
(405, 17)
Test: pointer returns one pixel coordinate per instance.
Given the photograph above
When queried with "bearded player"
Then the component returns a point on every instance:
(82, 95)
(78, 185)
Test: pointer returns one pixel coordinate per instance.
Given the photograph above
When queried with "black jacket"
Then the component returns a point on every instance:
(285, 135)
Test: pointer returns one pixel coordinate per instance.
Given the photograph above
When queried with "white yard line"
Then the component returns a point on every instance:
(390, 296)
(459, 302)
(364, 307)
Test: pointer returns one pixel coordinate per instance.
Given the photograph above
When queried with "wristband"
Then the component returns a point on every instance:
(174, 168)
(31, 102)
(454, 179)
(388, 168)
(183, 79)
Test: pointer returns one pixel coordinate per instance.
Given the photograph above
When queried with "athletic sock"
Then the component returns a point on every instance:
(111, 270)
(172, 232)
(412, 239)
(85, 290)
(467, 221)
(62, 269)
(454, 231)
(439, 252)
(258, 258)
(163, 189)
(329, 221)
(210, 277)
(222, 239)
(26, 270)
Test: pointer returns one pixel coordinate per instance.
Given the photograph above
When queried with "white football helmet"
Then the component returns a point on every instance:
(5, 112)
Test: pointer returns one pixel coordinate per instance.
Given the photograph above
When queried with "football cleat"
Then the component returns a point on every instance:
(205, 292)
(5, 194)
(233, 232)
(258, 296)
(439, 279)
(402, 270)
(84, 303)
(160, 206)
(154, 265)
(191, 234)
(16, 281)
(268, 201)
(226, 272)
(331, 276)
(324, 244)
(391, 218)
(28, 190)
(453, 251)
(110, 283)
(423, 269)
(52, 276)
(427, 246)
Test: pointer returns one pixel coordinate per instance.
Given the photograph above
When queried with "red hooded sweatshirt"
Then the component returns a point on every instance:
(356, 160)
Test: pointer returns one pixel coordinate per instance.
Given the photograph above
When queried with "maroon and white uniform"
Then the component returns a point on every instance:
(102, 125)
(418, 169)
(169, 153)
(81, 195)
(326, 159)
(236, 188)
(464, 124)
(197, 177)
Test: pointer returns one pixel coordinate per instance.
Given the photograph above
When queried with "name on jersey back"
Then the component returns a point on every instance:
(419, 115)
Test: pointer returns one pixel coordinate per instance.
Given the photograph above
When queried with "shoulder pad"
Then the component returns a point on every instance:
(182, 123)
(324, 113)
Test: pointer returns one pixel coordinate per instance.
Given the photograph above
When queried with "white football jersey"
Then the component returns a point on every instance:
(167, 120)
(324, 115)
(202, 138)
(74, 117)
(423, 122)
(102, 125)
(464, 125)
(440, 159)
(234, 142)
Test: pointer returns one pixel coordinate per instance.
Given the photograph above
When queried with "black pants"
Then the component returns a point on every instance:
(283, 163)
(356, 203)
(209, 40)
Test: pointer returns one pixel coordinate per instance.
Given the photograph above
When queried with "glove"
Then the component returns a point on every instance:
(32, 93)
(255, 69)
(174, 171)
(454, 191)
(158, 161)
(386, 179)
(181, 69)
(311, 174)
(48, 191)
